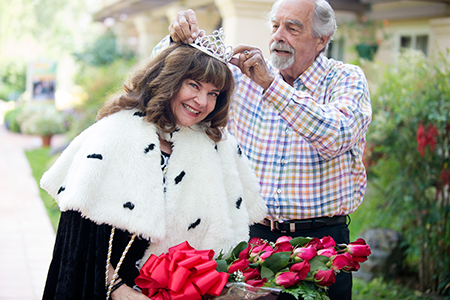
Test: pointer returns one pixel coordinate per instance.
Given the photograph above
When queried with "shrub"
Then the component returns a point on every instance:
(408, 160)
(42, 120)
(11, 120)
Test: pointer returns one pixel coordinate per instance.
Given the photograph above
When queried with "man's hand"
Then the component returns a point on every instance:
(184, 27)
(251, 62)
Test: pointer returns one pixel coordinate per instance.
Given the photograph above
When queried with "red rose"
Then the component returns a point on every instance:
(328, 242)
(302, 269)
(359, 250)
(283, 245)
(324, 277)
(250, 274)
(238, 265)
(257, 282)
(316, 243)
(328, 252)
(342, 262)
(286, 279)
(305, 253)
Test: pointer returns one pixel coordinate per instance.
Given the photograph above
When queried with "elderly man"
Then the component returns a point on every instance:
(301, 119)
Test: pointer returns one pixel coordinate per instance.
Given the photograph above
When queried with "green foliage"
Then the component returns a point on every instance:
(12, 81)
(104, 51)
(40, 161)
(11, 119)
(42, 120)
(306, 292)
(378, 289)
(408, 160)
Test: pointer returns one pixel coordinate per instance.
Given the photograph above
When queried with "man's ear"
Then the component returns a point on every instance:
(322, 42)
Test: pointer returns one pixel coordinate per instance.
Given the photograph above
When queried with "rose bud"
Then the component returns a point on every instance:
(327, 242)
(286, 279)
(324, 277)
(256, 282)
(316, 243)
(250, 274)
(342, 262)
(328, 252)
(304, 253)
(238, 265)
(302, 269)
(359, 250)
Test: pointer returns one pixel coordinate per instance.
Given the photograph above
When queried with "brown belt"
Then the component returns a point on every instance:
(306, 224)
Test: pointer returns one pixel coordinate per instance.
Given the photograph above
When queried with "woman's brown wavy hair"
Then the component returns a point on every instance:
(151, 88)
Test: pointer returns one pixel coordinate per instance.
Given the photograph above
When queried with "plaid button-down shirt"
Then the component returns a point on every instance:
(306, 142)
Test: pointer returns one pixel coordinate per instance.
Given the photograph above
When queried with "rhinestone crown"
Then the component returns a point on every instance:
(214, 45)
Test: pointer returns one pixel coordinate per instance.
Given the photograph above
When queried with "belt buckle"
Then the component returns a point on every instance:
(272, 225)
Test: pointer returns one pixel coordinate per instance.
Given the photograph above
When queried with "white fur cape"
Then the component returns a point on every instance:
(111, 173)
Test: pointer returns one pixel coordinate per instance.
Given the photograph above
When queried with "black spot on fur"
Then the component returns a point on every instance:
(96, 156)
(195, 224)
(129, 205)
(179, 177)
(140, 114)
(215, 147)
(239, 150)
(149, 148)
(238, 203)
(61, 189)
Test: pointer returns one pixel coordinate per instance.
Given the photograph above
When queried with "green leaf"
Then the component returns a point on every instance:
(267, 273)
(300, 241)
(318, 263)
(277, 261)
(235, 253)
(222, 265)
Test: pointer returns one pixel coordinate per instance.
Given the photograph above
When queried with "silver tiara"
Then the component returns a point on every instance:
(213, 45)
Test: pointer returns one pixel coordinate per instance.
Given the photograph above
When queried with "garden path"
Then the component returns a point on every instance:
(26, 234)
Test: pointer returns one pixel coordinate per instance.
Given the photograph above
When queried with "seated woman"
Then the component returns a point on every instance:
(156, 169)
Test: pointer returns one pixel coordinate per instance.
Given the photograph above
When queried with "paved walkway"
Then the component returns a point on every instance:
(26, 235)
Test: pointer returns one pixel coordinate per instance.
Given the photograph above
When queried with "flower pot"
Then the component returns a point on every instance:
(46, 140)
(366, 51)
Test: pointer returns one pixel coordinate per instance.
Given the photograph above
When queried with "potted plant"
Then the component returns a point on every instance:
(44, 121)
(368, 35)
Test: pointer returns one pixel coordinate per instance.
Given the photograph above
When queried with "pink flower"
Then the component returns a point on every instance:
(328, 242)
(324, 277)
(302, 269)
(250, 274)
(283, 238)
(305, 253)
(359, 250)
(286, 279)
(238, 265)
(316, 243)
(328, 252)
(283, 245)
(342, 262)
(257, 282)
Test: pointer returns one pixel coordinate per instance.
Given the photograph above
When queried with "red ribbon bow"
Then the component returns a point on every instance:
(182, 273)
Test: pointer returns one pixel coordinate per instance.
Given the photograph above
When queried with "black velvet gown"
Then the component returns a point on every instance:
(77, 270)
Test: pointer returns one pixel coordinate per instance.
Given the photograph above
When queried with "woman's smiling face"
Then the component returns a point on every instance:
(194, 102)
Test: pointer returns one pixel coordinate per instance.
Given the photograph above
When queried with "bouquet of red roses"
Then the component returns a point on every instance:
(303, 267)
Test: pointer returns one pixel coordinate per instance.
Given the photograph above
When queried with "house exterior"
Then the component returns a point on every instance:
(423, 25)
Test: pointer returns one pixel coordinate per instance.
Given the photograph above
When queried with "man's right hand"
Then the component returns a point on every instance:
(184, 27)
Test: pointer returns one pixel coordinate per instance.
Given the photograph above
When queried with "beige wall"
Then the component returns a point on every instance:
(245, 22)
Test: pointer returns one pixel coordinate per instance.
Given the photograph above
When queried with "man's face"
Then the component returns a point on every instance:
(292, 47)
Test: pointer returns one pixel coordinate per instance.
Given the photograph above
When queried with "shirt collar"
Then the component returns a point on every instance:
(312, 77)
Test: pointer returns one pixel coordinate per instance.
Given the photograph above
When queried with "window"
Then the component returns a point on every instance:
(336, 49)
(418, 42)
